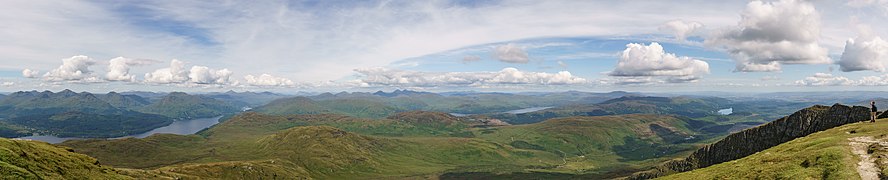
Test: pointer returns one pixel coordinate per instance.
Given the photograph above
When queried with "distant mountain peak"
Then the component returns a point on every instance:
(399, 92)
(177, 94)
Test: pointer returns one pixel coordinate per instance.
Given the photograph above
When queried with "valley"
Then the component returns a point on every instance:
(400, 135)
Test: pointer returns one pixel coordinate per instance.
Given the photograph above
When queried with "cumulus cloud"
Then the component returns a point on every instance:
(681, 29)
(391, 77)
(176, 73)
(75, 68)
(119, 67)
(266, 80)
(28, 73)
(864, 53)
(205, 75)
(873, 80)
(771, 34)
(638, 62)
(511, 53)
(825, 79)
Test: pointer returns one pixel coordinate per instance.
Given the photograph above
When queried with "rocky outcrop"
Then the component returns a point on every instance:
(882, 115)
(749, 141)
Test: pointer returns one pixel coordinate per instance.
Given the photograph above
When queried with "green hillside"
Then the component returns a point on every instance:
(68, 114)
(180, 105)
(250, 99)
(123, 101)
(33, 102)
(381, 104)
(21, 159)
(79, 124)
(822, 155)
(602, 143)
(409, 144)
(682, 106)
(9, 130)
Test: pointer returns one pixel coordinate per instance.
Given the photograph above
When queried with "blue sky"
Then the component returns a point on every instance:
(508, 45)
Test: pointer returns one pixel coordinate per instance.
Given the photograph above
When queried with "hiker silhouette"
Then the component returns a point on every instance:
(873, 111)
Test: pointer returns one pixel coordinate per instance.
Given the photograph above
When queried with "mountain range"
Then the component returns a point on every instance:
(70, 114)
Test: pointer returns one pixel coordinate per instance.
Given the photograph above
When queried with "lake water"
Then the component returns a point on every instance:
(727, 111)
(526, 110)
(183, 127)
(517, 111)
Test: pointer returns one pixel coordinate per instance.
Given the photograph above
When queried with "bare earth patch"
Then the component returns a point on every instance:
(867, 167)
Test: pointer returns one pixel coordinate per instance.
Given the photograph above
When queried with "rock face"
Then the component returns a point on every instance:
(882, 114)
(749, 141)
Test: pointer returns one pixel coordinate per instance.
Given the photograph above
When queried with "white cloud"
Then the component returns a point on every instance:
(28, 73)
(873, 80)
(864, 53)
(75, 69)
(197, 75)
(324, 41)
(205, 75)
(119, 68)
(506, 76)
(511, 53)
(266, 80)
(176, 73)
(638, 60)
(681, 29)
(771, 34)
(825, 79)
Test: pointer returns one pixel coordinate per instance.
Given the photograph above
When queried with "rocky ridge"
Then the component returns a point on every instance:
(749, 141)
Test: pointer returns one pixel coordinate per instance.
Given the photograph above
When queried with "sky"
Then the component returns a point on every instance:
(441, 45)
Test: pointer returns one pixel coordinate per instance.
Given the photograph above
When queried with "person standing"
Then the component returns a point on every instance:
(873, 111)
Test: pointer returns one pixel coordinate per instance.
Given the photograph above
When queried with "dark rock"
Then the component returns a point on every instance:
(881, 115)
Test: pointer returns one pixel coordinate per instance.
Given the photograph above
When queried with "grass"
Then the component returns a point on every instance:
(340, 147)
(150, 152)
(22, 159)
(822, 155)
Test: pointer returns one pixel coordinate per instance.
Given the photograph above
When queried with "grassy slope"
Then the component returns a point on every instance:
(22, 159)
(600, 144)
(822, 155)
(271, 144)
(180, 105)
(9, 130)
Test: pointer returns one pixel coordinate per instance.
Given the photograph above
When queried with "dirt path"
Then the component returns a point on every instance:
(867, 166)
